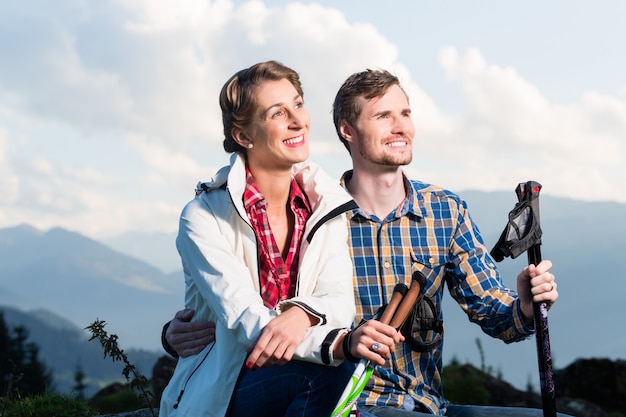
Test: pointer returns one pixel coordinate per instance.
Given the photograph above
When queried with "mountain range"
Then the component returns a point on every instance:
(64, 348)
(81, 280)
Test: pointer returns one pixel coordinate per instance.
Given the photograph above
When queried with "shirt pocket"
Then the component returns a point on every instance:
(433, 265)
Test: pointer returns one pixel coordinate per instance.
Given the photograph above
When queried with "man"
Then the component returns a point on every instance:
(403, 226)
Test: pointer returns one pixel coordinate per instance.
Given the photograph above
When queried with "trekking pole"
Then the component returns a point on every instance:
(523, 234)
(394, 314)
(530, 192)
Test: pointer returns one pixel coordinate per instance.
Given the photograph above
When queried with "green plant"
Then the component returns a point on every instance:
(111, 349)
(49, 405)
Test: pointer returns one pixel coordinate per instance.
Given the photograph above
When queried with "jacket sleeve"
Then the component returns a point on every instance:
(325, 289)
(216, 273)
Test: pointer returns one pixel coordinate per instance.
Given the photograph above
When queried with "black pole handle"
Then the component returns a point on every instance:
(530, 192)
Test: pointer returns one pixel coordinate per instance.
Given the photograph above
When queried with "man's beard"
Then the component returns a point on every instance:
(385, 159)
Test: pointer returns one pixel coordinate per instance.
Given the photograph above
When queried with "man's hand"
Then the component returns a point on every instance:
(373, 341)
(280, 338)
(188, 338)
(536, 284)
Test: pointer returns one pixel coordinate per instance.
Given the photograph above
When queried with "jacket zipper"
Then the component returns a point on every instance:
(182, 391)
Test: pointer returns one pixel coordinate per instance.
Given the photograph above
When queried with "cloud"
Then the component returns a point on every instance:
(81, 199)
(109, 110)
(510, 130)
(169, 167)
(135, 83)
(156, 67)
(9, 181)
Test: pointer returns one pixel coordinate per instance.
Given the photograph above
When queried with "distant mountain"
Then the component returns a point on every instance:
(155, 248)
(81, 280)
(64, 347)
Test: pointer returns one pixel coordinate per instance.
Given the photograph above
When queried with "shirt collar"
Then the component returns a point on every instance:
(412, 204)
(252, 195)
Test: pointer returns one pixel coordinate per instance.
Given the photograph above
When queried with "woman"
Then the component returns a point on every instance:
(265, 256)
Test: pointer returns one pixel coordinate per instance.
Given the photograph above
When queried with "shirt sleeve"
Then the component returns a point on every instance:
(477, 286)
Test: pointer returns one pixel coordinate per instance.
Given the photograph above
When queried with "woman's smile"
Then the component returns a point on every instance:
(295, 141)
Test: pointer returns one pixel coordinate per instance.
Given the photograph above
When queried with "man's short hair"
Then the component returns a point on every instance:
(368, 84)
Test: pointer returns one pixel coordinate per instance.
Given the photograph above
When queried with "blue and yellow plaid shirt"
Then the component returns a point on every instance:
(431, 231)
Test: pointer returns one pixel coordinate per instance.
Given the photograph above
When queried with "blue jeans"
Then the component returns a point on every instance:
(297, 389)
(457, 411)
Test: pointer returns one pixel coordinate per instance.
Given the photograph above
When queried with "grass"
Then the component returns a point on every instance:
(48, 405)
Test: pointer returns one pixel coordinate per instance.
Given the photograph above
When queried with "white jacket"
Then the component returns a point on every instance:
(219, 253)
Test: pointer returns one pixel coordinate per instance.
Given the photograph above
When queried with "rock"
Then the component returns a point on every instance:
(144, 412)
(111, 389)
(598, 380)
(161, 374)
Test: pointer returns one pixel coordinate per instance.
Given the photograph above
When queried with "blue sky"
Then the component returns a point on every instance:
(109, 116)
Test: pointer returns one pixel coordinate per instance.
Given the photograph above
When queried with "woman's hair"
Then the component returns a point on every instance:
(368, 84)
(238, 101)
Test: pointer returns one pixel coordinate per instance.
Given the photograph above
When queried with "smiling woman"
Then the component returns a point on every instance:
(280, 138)
(265, 256)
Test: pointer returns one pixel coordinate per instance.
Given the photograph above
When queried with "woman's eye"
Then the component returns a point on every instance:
(278, 113)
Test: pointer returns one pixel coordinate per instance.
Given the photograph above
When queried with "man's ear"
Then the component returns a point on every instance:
(346, 131)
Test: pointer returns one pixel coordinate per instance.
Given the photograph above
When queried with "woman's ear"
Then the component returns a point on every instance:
(240, 137)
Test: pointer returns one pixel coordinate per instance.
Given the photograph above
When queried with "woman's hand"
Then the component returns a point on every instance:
(280, 338)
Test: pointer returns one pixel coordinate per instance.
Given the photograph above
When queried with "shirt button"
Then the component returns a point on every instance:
(387, 265)
(431, 260)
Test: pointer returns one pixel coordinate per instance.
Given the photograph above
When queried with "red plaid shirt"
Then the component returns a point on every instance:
(277, 275)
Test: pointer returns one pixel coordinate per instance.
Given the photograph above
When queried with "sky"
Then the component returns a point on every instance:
(109, 113)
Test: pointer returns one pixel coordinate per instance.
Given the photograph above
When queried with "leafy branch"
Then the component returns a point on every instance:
(111, 349)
